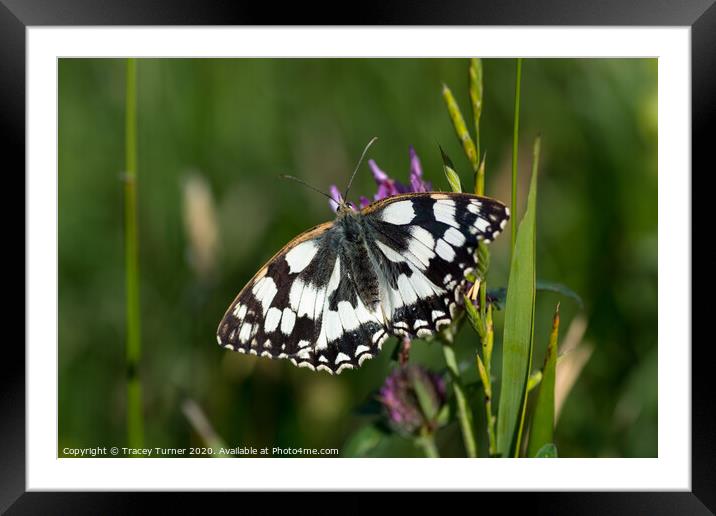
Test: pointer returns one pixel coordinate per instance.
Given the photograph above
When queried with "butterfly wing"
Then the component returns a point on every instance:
(425, 244)
(270, 312)
(303, 306)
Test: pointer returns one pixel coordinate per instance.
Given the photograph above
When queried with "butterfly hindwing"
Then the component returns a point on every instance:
(271, 316)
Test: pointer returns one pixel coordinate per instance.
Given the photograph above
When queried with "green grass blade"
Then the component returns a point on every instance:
(452, 176)
(519, 327)
(464, 412)
(542, 430)
(135, 421)
(475, 85)
(461, 131)
(515, 144)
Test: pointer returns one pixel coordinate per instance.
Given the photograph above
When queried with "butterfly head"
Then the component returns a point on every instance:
(345, 208)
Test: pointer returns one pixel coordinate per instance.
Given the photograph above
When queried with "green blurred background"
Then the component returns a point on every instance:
(213, 137)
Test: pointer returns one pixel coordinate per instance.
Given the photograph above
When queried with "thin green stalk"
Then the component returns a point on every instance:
(461, 131)
(427, 443)
(135, 423)
(487, 352)
(515, 141)
(475, 86)
(464, 411)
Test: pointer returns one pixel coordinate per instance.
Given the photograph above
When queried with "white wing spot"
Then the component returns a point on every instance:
(308, 302)
(424, 332)
(265, 290)
(272, 318)
(424, 288)
(454, 237)
(347, 365)
(421, 245)
(482, 224)
(407, 292)
(318, 308)
(287, 321)
(444, 211)
(321, 342)
(400, 212)
(300, 256)
(240, 311)
(333, 325)
(362, 313)
(348, 316)
(362, 349)
(444, 250)
(245, 332)
(335, 277)
(389, 253)
(364, 357)
(307, 365)
(294, 295)
(342, 357)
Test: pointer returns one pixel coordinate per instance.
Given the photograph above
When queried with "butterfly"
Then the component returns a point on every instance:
(330, 298)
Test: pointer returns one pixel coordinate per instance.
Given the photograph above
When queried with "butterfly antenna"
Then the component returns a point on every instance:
(345, 196)
(286, 176)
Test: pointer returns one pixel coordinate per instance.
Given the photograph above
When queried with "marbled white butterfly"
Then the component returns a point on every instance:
(331, 297)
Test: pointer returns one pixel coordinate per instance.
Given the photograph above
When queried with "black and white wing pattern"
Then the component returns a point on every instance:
(303, 306)
(331, 297)
(425, 244)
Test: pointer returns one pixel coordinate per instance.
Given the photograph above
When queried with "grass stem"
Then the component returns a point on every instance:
(515, 142)
(464, 413)
(427, 443)
(135, 423)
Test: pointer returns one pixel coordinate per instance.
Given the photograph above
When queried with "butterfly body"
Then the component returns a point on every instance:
(331, 297)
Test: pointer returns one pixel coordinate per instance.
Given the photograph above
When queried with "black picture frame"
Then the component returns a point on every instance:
(17, 15)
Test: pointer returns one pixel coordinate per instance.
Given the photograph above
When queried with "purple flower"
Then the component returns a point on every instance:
(336, 197)
(387, 187)
(416, 174)
(412, 397)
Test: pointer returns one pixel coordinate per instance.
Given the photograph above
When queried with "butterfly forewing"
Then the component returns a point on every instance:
(331, 297)
(303, 306)
(427, 242)
(271, 316)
